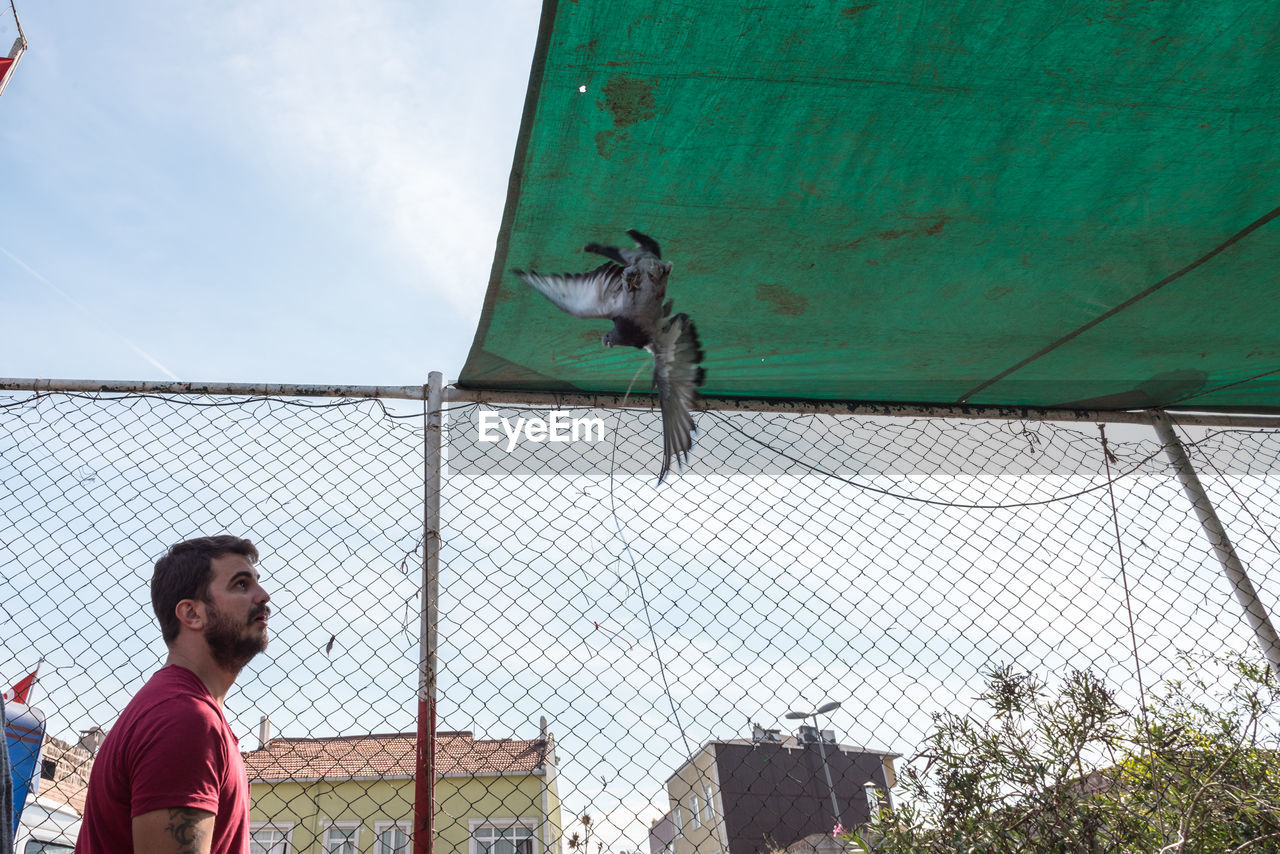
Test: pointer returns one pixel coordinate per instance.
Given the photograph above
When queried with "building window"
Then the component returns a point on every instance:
(342, 839)
(35, 846)
(677, 819)
(268, 839)
(708, 805)
(391, 838)
(503, 840)
(695, 818)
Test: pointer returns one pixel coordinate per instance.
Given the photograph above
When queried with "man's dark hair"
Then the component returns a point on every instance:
(186, 571)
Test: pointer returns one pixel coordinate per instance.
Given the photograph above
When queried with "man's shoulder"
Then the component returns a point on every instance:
(174, 684)
(171, 694)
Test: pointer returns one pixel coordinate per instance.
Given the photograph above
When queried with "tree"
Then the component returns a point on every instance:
(1072, 771)
(582, 843)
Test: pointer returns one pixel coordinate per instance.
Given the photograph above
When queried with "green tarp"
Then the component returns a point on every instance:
(1044, 203)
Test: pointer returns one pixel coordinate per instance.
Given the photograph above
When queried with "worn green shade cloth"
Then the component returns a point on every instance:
(1040, 203)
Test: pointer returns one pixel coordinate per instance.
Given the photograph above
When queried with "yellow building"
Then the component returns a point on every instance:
(354, 795)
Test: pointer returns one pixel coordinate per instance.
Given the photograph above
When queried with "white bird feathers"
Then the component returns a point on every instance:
(629, 290)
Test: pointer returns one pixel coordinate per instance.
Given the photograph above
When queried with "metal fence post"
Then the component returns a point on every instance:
(1254, 612)
(425, 774)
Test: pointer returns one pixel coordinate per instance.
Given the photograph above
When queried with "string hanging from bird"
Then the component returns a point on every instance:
(630, 289)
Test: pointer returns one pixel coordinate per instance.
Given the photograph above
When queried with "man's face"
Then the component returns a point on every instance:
(237, 612)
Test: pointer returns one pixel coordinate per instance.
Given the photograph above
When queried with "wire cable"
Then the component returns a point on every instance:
(1107, 457)
(934, 501)
(21, 34)
(644, 600)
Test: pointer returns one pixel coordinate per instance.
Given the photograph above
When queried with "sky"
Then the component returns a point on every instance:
(255, 192)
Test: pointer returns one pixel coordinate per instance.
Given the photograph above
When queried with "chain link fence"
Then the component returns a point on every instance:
(618, 658)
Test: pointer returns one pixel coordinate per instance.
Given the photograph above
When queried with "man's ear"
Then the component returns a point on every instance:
(191, 613)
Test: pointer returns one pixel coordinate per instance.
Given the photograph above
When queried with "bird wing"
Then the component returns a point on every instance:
(677, 373)
(597, 293)
(645, 242)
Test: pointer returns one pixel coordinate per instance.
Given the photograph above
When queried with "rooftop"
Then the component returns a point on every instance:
(67, 791)
(774, 739)
(792, 743)
(393, 755)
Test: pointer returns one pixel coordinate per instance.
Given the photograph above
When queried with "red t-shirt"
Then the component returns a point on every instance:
(170, 748)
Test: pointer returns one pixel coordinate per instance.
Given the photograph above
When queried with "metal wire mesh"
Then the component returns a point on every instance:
(610, 647)
(96, 489)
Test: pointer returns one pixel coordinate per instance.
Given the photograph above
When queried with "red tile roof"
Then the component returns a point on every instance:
(391, 755)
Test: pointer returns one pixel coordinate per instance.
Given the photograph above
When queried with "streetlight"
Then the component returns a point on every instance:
(822, 710)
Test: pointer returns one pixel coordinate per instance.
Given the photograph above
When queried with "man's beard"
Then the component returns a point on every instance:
(230, 643)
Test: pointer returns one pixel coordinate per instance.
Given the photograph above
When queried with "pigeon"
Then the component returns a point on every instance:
(629, 289)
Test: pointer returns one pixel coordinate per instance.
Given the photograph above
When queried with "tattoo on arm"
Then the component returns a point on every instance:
(173, 830)
(183, 827)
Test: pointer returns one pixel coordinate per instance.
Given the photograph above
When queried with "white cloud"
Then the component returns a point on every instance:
(409, 120)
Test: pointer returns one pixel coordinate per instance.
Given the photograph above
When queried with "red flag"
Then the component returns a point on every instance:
(18, 693)
(8, 63)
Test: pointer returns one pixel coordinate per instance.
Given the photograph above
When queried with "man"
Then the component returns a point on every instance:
(169, 777)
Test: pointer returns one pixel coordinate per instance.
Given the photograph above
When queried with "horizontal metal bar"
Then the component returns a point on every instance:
(645, 400)
(401, 392)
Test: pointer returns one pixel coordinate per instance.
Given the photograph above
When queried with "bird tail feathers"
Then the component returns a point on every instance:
(677, 374)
